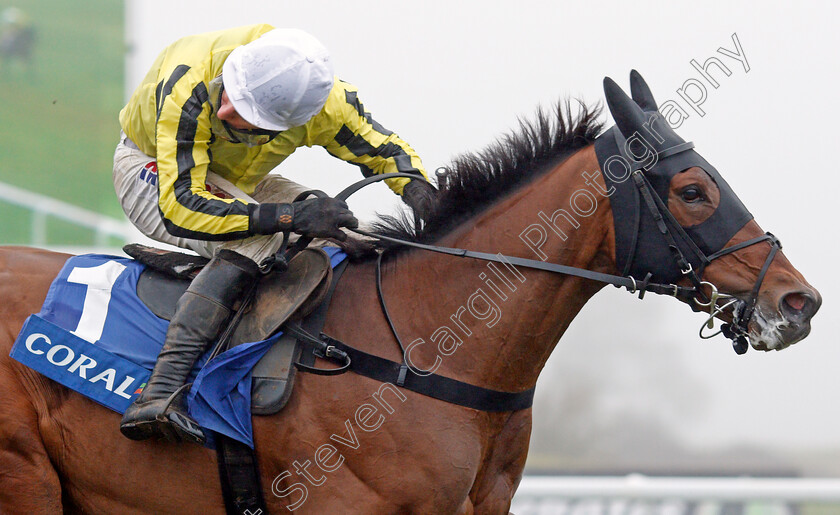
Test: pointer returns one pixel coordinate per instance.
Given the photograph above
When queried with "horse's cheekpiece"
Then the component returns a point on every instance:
(643, 140)
(639, 157)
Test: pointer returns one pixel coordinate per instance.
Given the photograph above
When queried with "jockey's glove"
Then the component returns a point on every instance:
(418, 195)
(314, 217)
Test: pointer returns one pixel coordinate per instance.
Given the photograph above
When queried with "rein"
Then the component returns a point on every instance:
(743, 310)
(628, 282)
(464, 394)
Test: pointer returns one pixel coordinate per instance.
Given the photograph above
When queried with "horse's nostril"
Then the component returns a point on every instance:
(798, 305)
(796, 301)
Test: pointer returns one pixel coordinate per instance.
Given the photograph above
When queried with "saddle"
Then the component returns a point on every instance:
(279, 298)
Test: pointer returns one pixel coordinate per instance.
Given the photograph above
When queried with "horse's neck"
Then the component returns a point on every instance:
(493, 325)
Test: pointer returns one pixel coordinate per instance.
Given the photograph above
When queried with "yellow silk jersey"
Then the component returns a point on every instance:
(169, 118)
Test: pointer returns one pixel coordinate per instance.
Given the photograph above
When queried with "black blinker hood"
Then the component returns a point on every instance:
(642, 139)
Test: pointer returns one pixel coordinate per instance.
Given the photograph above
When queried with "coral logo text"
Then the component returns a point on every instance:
(63, 356)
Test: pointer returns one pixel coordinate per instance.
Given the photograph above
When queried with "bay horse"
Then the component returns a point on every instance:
(351, 444)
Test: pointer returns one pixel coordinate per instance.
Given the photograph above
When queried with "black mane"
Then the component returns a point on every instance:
(474, 181)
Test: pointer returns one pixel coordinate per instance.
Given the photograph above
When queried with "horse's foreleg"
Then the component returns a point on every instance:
(466, 508)
(502, 470)
(29, 483)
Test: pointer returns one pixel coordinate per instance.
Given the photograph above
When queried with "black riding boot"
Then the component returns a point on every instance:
(200, 316)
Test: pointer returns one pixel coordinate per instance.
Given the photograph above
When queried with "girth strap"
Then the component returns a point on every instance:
(321, 349)
(384, 370)
(313, 324)
(433, 385)
(239, 476)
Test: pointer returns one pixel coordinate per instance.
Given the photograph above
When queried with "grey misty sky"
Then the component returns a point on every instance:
(452, 76)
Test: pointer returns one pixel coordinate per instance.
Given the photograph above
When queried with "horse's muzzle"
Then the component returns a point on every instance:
(789, 324)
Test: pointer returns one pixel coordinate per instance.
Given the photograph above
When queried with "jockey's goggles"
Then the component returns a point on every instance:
(222, 129)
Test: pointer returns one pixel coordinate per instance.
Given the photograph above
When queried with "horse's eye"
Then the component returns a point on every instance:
(692, 194)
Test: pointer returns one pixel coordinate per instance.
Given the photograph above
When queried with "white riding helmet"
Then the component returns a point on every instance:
(280, 80)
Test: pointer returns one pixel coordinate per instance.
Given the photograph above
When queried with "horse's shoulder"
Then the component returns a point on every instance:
(25, 277)
(30, 259)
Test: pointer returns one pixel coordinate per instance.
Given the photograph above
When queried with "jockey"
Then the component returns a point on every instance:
(214, 115)
(17, 35)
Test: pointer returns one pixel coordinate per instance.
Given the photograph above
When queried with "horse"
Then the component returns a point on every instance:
(17, 37)
(348, 443)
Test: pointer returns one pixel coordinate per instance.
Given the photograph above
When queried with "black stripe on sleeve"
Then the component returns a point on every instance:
(353, 99)
(356, 144)
(176, 230)
(158, 99)
(187, 129)
(185, 142)
(360, 147)
(163, 90)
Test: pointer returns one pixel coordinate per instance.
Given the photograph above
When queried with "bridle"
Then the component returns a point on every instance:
(695, 295)
(742, 310)
(668, 227)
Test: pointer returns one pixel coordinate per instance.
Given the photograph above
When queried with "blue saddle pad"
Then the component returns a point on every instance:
(95, 336)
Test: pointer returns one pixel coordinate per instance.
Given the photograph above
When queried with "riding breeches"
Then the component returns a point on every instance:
(135, 181)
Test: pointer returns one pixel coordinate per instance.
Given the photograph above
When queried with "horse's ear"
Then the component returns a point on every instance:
(628, 116)
(640, 92)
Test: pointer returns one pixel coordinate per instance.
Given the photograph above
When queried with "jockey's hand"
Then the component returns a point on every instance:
(418, 194)
(322, 217)
(314, 217)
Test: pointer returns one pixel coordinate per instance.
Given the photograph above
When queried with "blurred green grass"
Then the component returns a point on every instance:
(58, 120)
